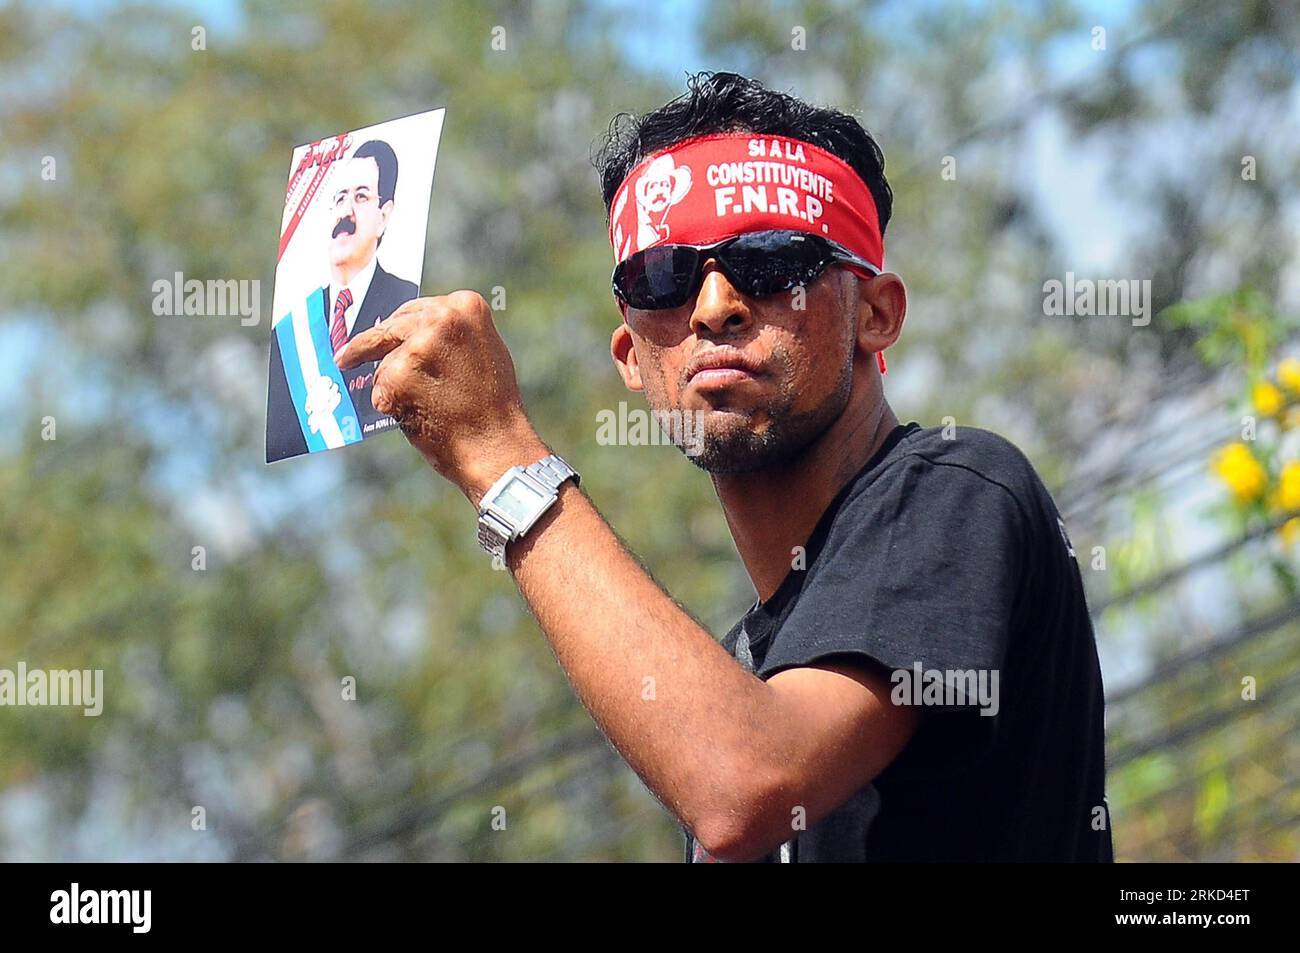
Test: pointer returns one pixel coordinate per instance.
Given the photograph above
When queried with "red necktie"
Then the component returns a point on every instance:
(339, 327)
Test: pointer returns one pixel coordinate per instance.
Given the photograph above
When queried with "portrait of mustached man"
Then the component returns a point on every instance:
(360, 292)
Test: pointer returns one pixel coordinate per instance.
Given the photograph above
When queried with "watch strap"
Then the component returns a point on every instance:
(551, 471)
(493, 534)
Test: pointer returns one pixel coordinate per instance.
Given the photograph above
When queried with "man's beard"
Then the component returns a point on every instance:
(734, 448)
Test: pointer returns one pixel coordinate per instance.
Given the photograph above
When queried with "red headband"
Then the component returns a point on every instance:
(713, 187)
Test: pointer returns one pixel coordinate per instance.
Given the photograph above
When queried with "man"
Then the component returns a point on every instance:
(360, 292)
(890, 564)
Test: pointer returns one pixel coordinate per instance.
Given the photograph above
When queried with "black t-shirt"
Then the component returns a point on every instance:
(946, 562)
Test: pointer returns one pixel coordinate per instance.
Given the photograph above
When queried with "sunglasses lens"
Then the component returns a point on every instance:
(759, 263)
(765, 263)
(658, 278)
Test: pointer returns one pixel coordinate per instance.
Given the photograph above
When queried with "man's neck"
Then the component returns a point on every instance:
(774, 510)
(342, 276)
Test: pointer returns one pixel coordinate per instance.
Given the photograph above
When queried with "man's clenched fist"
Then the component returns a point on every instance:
(447, 377)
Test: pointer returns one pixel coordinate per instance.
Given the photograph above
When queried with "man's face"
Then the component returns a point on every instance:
(796, 369)
(359, 222)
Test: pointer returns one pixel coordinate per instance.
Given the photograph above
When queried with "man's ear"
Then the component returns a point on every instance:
(882, 308)
(385, 212)
(623, 349)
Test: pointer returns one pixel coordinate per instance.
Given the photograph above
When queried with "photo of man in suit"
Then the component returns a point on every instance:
(312, 405)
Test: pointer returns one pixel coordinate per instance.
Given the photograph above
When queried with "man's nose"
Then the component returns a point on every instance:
(719, 307)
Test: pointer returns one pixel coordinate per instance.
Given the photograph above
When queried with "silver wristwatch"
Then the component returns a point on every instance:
(518, 499)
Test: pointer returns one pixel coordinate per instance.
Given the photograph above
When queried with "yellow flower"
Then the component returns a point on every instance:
(1288, 487)
(1290, 531)
(1288, 374)
(1268, 399)
(1237, 467)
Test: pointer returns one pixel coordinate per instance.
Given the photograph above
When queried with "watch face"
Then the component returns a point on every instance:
(518, 500)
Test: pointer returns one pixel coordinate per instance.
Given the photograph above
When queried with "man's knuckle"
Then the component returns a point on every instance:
(468, 309)
(424, 342)
(467, 300)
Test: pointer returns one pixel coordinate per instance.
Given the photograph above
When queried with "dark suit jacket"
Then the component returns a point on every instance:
(283, 432)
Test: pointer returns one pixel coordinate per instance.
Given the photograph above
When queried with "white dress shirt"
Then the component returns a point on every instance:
(359, 286)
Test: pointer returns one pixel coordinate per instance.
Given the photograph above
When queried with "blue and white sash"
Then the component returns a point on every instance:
(320, 395)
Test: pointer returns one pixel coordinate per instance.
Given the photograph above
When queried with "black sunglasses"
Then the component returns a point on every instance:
(756, 263)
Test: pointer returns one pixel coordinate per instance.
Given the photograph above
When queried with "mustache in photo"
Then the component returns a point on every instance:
(345, 226)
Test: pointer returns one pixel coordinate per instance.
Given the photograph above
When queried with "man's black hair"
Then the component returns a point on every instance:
(386, 159)
(728, 102)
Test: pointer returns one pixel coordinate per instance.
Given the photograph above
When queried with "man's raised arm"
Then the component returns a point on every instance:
(734, 757)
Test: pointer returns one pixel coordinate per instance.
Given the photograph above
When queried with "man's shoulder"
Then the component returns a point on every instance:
(945, 453)
(394, 286)
(951, 479)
